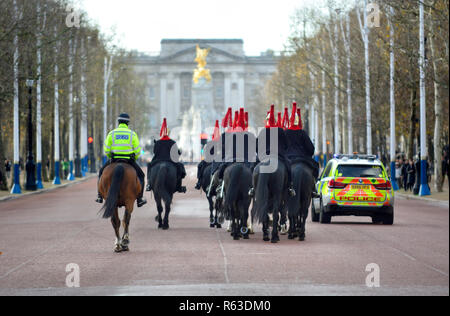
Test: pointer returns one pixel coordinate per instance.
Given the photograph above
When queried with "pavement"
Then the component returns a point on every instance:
(40, 235)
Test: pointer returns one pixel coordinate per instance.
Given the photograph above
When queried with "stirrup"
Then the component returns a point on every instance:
(148, 188)
(182, 190)
(141, 202)
(251, 192)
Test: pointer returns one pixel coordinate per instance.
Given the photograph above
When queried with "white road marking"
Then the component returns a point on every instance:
(225, 260)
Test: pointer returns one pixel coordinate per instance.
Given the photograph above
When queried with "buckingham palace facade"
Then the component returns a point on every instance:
(237, 80)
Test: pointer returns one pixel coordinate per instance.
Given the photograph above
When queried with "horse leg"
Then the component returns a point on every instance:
(115, 220)
(276, 218)
(283, 222)
(160, 211)
(212, 221)
(126, 236)
(301, 233)
(266, 229)
(244, 222)
(166, 216)
(291, 228)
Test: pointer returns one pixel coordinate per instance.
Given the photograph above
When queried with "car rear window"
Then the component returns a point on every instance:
(360, 171)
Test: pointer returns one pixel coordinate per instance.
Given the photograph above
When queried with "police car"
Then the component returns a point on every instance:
(354, 185)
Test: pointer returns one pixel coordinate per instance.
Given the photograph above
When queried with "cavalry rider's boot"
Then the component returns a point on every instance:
(148, 188)
(251, 192)
(291, 190)
(141, 202)
(99, 199)
(180, 188)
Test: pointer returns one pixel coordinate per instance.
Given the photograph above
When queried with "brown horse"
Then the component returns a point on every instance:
(120, 187)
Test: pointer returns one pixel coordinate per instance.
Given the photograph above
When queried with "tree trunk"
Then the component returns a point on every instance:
(413, 122)
(438, 181)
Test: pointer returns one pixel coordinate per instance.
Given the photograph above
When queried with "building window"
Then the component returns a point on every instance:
(186, 91)
(234, 86)
(219, 92)
(170, 86)
(151, 92)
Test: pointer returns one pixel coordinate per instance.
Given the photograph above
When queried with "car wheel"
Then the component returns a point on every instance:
(324, 217)
(314, 215)
(388, 219)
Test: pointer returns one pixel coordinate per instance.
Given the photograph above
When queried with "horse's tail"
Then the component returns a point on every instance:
(232, 191)
(114, 190)
(161, 183)
(260, 208)
(294, 202)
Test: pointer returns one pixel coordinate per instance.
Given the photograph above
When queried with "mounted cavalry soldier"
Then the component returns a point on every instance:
(301, 148)
(162, 151)
(204, 163)
(123, 144)
(282, 147)
(237, 145)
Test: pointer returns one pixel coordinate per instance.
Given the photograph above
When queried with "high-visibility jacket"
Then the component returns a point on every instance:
(122, 143)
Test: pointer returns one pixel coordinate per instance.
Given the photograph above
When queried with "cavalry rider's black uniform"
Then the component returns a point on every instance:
(283, 144)
(301, 149)
(162, 153)
(201, 167)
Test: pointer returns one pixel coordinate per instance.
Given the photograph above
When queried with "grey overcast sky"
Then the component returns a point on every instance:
(141, 24)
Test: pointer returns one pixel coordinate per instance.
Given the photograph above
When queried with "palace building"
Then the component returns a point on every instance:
(237, 80)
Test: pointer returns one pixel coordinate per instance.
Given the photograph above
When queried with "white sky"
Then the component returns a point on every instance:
(141, 24)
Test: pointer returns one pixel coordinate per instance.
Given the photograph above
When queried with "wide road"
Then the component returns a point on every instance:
(41, 234)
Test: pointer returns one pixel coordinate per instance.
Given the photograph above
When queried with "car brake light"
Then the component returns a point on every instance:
(383, 186)
(336, 185)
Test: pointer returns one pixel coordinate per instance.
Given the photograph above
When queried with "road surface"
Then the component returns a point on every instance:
(41, 234)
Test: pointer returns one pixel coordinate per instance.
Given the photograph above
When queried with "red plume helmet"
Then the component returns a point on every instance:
(164, 134)
(241, 120)
(294, 113)
(285, 124)
(236, 120)
(216, 135)
(279, 120)
(246, 121)
(227, 121)
(271, 118)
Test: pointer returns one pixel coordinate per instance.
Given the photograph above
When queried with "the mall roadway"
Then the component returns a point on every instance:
(41, 234)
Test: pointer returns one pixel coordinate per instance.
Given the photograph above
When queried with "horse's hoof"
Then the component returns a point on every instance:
(246, 237)
(291, 237)
(160, 226)
(275, 240)
(212, 226)
(157, 218)
(266, 238)
(284, 229)
(236, 238)
(218, 226)
(165, 227)
(125, 249)
(302, 238)
(118, 249)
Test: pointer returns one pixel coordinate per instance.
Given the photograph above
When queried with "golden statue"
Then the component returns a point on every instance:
(201, 71)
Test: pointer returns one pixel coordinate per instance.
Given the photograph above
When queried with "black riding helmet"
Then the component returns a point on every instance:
(124, 118)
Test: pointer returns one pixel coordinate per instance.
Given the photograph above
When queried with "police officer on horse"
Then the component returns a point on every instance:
(162, 151)
(123, 144)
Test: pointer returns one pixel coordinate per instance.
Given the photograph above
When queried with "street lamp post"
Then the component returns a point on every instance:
(30, 166)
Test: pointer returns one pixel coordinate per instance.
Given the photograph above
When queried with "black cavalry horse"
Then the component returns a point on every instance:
(237, 182)
(270, 197)
(164, 181)
(298, 205)
(212, 199)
